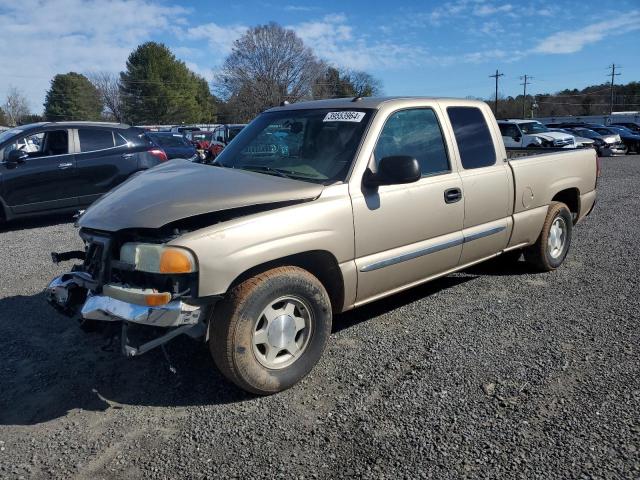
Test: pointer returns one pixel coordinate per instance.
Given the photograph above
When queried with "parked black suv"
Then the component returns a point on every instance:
(65, 166)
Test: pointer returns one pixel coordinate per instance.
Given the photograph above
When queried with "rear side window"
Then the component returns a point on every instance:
(472, 136)
(414, 132)
(91, 140)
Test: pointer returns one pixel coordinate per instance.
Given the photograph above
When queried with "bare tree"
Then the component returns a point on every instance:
(108, 84)
(16, 106)
(267, 65)
(363, 83)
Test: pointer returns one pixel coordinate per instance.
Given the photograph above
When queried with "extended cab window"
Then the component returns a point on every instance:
(472, 136)
(91, 140)
(416, 133)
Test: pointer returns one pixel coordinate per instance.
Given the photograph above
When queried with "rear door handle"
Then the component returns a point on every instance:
(128, 156)
(63, 166)
(452, 195)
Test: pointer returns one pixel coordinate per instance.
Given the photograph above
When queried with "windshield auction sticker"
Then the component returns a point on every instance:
(344, 117)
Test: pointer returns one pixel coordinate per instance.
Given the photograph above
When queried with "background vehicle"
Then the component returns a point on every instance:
(606, 144)
(174, 145)
(633, 126)
(222, 135)
(630, 138)
(183, 129)
(620, 146)
(532, 134)
(68, 165)
(369, 198)
(580, 142)
(201, 140)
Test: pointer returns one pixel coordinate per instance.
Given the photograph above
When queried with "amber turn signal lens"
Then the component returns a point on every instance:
(175, 261)
(157, 299)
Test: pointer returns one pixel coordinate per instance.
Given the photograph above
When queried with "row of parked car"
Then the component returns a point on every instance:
(66, 166)
(615, 139)
(194, 144)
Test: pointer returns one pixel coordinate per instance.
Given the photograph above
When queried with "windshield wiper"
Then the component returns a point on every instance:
(268, 170)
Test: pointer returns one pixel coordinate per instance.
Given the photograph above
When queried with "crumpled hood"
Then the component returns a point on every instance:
(180, 189)
(553, 136)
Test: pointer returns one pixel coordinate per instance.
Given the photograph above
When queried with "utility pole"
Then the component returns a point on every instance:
(496, 76)
(613, 75)
(526, 82)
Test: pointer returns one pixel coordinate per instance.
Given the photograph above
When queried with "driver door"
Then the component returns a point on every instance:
(47, 180)
(405, 234)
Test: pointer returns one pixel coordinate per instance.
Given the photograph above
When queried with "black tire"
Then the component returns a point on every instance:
(234, 320)
(540, 255)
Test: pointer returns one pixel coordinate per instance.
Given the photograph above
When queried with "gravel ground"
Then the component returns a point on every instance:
(490, 373)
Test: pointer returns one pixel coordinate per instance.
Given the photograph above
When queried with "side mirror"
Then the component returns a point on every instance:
(394, 170)
(516, 138)
(16, 157)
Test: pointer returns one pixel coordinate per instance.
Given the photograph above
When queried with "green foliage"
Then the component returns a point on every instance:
(157, 88)
(72, 97)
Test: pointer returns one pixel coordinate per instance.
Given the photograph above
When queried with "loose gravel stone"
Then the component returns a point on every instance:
(495, 372)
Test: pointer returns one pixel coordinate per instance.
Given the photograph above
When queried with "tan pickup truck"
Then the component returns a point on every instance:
(313, 209)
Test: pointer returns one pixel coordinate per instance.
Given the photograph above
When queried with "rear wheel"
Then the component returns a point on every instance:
(554, 241)
(271, 330)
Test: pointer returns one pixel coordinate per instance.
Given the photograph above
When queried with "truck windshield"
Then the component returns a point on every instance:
(315, 145)
(533, 127)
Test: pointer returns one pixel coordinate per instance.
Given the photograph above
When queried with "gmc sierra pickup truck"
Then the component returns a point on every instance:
(313, 209)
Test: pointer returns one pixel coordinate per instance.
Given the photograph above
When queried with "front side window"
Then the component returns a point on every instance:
(41, 144)
(509, 130)
(472, 136)
(92, 140)
(533, 127)
(415, 133)
(315, 145)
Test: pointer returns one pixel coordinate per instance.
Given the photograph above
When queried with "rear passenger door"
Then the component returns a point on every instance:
(407, 233)
(102, 161)
(486, 183)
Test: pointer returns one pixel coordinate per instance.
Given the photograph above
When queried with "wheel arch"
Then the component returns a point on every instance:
(571, 198)
(320, 263)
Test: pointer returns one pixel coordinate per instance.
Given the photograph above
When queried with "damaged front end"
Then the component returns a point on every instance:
(111, 285)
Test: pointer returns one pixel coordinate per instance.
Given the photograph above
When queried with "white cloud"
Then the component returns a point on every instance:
(40, 38)
(335, 41)
(220, 38)
(488, 9)
(575, 40)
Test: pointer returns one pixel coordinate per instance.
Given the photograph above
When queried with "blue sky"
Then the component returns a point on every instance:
(416, 48)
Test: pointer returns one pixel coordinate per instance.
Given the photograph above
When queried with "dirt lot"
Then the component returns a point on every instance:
(496, 372)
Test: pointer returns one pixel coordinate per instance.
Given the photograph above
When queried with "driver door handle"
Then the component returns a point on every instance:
(452, 195)
(63, 166)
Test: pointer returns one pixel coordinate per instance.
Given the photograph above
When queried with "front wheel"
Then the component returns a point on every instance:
(271, 330)
(554, 241)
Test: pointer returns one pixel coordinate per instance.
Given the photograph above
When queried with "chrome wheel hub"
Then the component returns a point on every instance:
(557, 237)
(282, 332)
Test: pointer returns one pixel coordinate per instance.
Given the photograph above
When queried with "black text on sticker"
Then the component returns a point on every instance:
(344, 117)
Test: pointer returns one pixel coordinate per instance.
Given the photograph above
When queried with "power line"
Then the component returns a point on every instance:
(497, 75)
(526, 82)
(613, 75)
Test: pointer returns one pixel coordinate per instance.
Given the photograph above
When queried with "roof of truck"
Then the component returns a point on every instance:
(354, 102)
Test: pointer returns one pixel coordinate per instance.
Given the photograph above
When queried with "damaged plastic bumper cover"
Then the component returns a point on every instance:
(68, 291)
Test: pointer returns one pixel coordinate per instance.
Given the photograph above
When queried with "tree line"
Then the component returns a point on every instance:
(268, 65)
(592, 100)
